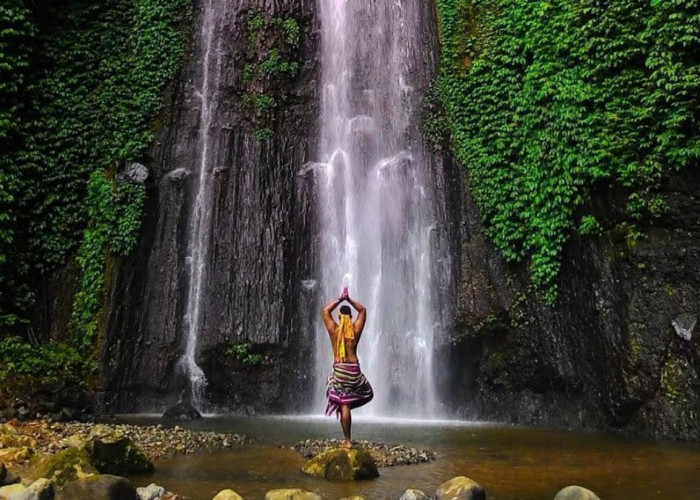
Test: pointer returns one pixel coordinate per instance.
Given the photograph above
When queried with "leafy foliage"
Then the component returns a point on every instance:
(80, 85)
(114, 214)
(47, 364)
(87, 80)
(272, 59)
(241, 352)
(549, 100)
(17, 33)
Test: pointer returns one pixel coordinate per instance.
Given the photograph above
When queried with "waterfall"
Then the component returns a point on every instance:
(377, 200)
(199, 226)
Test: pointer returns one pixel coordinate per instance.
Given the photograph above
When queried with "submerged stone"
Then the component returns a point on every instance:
(182, 411)
(460, 488)
(342, 464)
(575, 493)
(291, 494)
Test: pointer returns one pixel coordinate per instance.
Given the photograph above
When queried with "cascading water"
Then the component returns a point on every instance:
(377, 200)
(199, 228)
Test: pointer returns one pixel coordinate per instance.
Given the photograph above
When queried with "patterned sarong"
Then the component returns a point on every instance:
(347, 386)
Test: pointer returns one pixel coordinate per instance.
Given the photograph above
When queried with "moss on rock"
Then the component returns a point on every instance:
(342, 464)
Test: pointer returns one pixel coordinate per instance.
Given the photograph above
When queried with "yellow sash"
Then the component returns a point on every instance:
(345, 331)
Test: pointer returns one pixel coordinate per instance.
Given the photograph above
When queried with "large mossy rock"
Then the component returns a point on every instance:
(575, 493)
(342, 464)
(460, 488)
(114, 453)
(291, 494)
(64, 466)
(98, 487)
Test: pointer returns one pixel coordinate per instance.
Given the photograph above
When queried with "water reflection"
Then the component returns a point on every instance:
(511, 463)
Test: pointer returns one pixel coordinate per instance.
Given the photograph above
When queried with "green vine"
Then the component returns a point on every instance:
(549, 101)
(114, 213)
(87, 83)
(241, 352)
(272, 60)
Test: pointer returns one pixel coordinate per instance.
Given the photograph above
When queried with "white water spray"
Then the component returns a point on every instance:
(376, 202)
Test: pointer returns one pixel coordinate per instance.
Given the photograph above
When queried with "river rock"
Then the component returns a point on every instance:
(411, 494)
(151, 492)
(227, 495)
(12, 489)
(343, 464)
(182, 411)
(111, 452)
(64, 466)
(41, 489)
(460, 488)
(575, 493)
(98, 487)
(291, 494)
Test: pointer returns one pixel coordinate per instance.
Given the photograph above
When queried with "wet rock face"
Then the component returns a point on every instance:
(617, 350)
(260, 131)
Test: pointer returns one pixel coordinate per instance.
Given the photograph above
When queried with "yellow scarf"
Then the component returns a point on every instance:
(345, 331)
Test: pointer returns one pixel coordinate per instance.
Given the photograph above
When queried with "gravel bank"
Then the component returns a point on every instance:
(385, 455)
(156, 441)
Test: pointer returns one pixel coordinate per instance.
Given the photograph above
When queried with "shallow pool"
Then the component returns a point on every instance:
(512, 463)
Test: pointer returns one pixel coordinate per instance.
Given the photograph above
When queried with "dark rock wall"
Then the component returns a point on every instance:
(606, 355)
(256, 254)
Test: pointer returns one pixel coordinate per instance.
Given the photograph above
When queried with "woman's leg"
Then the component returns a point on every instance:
(346, 423)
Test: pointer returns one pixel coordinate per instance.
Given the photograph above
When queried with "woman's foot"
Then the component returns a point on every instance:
(346, 444)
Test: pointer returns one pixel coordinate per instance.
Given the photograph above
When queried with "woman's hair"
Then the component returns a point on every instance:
(346, 310)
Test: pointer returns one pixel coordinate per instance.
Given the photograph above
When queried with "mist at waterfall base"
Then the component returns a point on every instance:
(378, 202)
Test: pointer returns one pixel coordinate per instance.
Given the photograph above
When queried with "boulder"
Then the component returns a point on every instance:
(227, 495)
(12, 489)
(460, 488)
(64, 466)
(342, 464)
(151, 492)
(113, 453)
(98, 487)
(411, 494)
(134, 172)
(575, 493)
(41, 489)
(291, 494)
(182, 411)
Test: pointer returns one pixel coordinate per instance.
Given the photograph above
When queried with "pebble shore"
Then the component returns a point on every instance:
(156, 441)
(385, 455)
